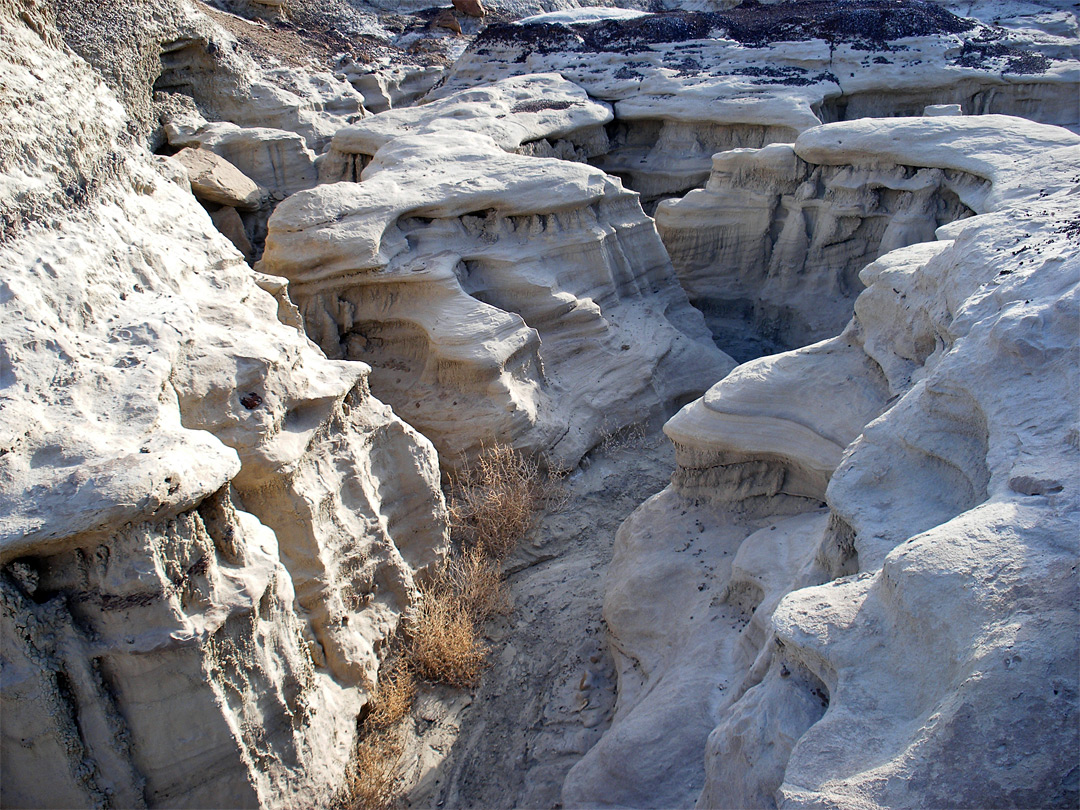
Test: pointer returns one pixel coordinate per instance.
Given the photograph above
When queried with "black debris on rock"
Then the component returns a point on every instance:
(539, 105)
(868, 24)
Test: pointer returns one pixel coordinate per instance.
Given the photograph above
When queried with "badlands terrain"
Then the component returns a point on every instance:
(782, 300)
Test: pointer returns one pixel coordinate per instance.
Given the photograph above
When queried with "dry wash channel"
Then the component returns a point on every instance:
(249, 329)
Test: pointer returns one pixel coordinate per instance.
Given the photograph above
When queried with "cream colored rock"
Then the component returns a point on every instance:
(498, 297)
(207, 529)
(277, 160)
(215, 180)
(228, 221)
(687, 86)
(779, 241)
(387, 84)
(942, 109)
(781, 233)
(531, 114)
(908, 645)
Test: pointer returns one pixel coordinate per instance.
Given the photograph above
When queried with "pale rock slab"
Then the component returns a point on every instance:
(214, 180)
(497, 297)
(277, 160)
(912, 643)
(387, 85)
(687, 85)
(207, 529)
(542, 115)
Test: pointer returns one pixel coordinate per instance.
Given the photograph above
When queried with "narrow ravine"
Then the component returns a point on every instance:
(550, 689)
(278, 275)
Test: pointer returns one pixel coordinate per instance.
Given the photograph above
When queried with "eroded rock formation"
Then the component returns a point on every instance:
(687, 85)
(874, 536)
(498, 296)
(859, 590)
(207, 529)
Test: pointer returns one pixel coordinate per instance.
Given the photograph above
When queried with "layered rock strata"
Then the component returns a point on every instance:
(541, 115)
(686, 85)
(776, 243)
(497, 296)
(148, 52)
(207, 529)
(869, 544)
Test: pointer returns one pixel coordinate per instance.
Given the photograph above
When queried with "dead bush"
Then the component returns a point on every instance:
(493, 505)
(494, 501)
(444, 645)
(369, 784)
(370, 781)
(623, 438)
(394, 698)
(478, 583)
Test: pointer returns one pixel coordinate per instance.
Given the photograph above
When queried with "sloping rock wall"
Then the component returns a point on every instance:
(874, 537)
(207, 529)
(502, 297)
(775, 243)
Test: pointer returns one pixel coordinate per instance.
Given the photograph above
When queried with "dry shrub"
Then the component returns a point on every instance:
(394, 698)
(624, 438)
(369, 784)
(477, 581)
(493, 504)
(494, 501)
(370, 781)
(444, 645)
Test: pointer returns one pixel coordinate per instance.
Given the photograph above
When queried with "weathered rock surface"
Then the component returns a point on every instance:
(148, 51)
(860, 589)
(777, 243)
(277, 160)
(689, 84)
(543, 116)
(213, 179)
(497, 296)
(207, 529)
(874, 537)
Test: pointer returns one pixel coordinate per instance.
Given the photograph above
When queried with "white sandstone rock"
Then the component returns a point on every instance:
(207, 529)
(912, 644)
(520, 113)
(497, 296)
(686, 86)
(213, 179)
(387, 85)
(576, 16)
(942, 109)
(781, 233)
(276, 160)
(151, 54)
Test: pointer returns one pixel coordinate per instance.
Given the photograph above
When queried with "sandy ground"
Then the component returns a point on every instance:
(550, 689)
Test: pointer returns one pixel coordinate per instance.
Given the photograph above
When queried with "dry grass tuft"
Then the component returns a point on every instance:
(369, 784)
(478, 583)
(370, 781)
(394, 698)
(624, 438)
(494, 501)
(493, 505)
(444, 644)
